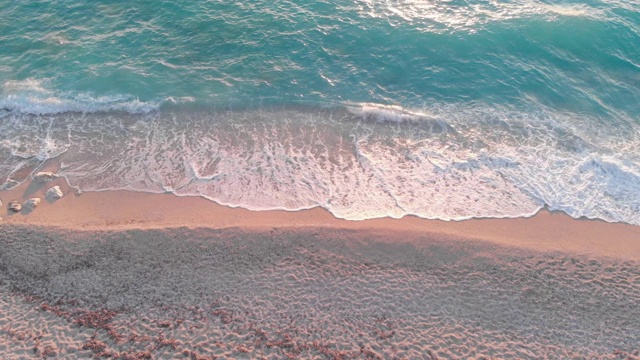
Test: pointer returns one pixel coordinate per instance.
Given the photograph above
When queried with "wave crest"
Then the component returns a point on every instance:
(32, 97)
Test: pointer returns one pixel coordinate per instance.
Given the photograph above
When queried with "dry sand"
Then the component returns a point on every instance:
(130, 275)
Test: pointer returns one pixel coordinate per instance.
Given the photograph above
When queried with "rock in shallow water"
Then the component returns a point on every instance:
(54, 194)
(31, 204)
(14, 206)
(44, 176)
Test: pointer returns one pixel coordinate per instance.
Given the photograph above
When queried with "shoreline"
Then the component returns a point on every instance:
(546, 231)
(129, 275)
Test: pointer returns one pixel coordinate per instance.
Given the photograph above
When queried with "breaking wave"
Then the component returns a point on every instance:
(358, 161)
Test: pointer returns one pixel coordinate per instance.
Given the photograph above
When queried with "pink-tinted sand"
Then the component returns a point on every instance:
(130, 275)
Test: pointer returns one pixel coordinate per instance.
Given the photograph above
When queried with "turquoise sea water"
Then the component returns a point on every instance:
(369, 108)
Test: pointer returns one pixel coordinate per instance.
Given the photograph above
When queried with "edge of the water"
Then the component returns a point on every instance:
(546, 231)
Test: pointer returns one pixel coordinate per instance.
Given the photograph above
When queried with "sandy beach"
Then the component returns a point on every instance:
(323, 180)
(131, 275)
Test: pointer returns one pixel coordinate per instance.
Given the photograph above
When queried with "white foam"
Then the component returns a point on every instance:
(32, 97)
(382, 112)
(498, 162)
(82, 103)
(32, 85)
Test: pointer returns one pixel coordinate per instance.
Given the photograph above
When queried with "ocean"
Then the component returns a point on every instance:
(368, 108)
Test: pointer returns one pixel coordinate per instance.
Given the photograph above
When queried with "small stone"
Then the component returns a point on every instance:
(31, 204)
(54, 194)
(14, 206)
(44, 176)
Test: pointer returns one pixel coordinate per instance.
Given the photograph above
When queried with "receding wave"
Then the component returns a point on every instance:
(359, 161)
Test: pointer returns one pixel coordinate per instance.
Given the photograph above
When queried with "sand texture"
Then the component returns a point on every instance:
(305, 294)
(126, 275)
(123, 210)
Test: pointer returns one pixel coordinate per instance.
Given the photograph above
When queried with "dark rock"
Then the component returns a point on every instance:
(14, 206)
(43, 177)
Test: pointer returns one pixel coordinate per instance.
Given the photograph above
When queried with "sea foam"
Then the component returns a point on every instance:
(32, 97)
(339, 159)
